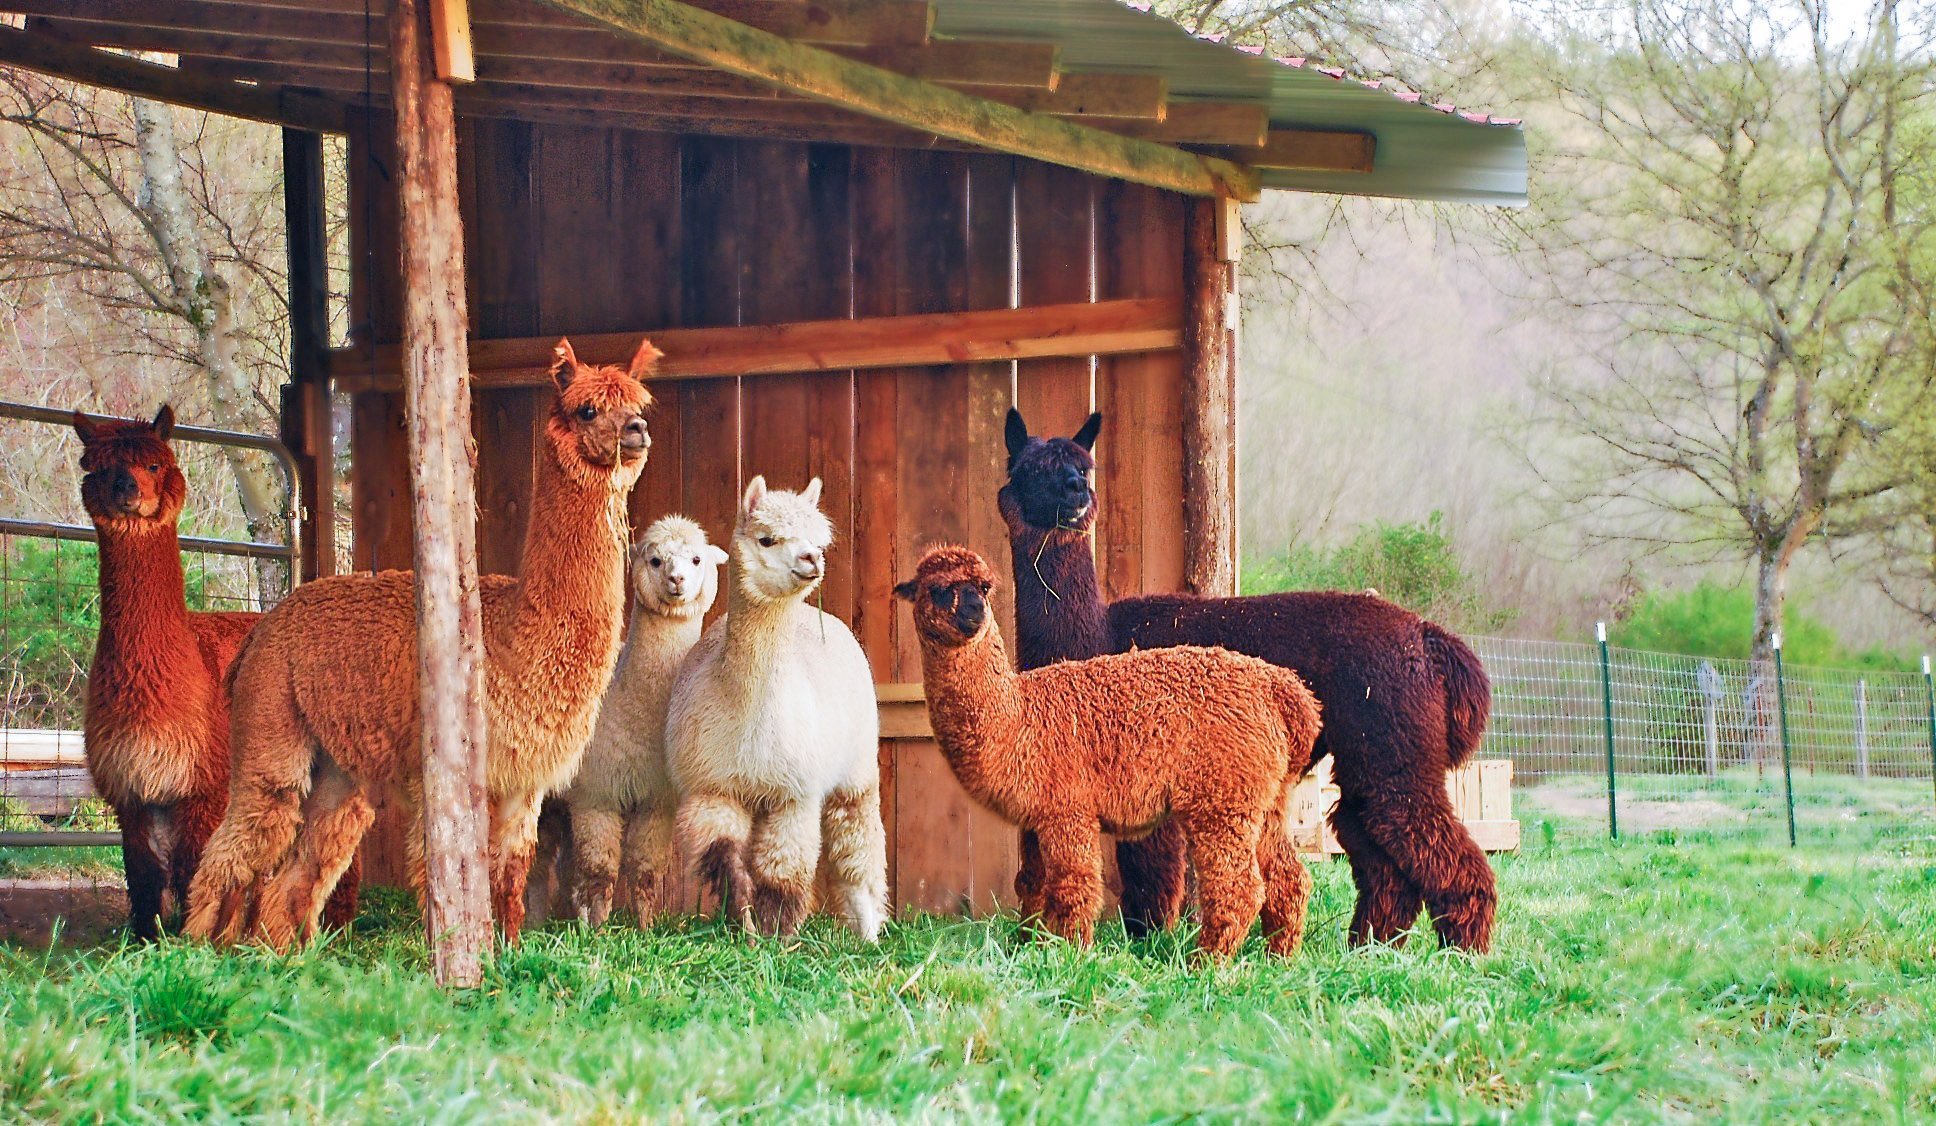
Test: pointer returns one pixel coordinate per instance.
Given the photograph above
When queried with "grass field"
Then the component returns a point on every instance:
(1645, 980)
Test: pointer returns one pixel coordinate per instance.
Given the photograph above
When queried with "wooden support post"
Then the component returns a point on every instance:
(306, 428)
(437, 403)
(1210, 399)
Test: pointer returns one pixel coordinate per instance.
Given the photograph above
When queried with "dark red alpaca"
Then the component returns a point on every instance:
(157, 722)
(1404, 702)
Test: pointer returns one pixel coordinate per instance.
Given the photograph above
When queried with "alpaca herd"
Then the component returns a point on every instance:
(245, 754)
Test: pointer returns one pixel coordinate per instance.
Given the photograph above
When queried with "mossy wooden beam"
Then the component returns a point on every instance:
(824, 76)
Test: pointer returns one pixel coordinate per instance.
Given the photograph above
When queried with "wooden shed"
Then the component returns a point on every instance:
(859, 229)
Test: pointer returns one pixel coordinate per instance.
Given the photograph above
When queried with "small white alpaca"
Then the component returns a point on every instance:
(772, 737)
(622, 802)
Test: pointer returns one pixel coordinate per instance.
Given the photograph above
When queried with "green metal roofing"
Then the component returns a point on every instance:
(1429, 152)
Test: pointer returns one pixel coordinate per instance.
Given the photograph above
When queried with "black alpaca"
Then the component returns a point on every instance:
(1404, 702)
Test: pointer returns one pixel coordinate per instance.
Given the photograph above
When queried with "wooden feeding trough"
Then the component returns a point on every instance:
(860, 230)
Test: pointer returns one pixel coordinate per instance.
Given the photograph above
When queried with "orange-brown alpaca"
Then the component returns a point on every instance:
(157, 719)
(325, 693)
(1122, 743)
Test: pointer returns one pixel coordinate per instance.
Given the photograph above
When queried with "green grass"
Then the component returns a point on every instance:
(1647, 980)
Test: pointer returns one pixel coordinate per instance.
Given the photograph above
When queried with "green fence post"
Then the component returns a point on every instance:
(1787, 772)
(1606, 704)
(1929, 696)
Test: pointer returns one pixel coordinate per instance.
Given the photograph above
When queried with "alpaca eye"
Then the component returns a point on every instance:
(154, 469)
(587, 412)
(695, 561)
(984, 588)
(654, 561)
(767, 541)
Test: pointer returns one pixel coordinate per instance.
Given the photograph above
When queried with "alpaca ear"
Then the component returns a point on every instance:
(1016, 432)
(716, 555)
(811, 494)
(164, 423)
(86, 427)
(755, 493)
(643, 359)
(564, 364)
(1086, 437)
(907, 591)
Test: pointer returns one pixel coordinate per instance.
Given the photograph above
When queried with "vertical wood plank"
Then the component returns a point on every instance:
(503, 254)
(876, 233)
(1139, 530)
(709, 267)
(1055, 216)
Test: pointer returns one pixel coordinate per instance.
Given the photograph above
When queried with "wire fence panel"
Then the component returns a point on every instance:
(1697, 743)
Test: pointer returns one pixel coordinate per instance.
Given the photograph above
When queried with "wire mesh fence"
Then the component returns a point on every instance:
(1660, 742)
(52, 825)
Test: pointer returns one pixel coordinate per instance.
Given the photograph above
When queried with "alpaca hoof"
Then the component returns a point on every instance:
(778, 910)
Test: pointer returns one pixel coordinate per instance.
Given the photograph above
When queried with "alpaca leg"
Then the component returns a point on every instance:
(1071, 878)
(784, 853)
(270, 774)
(514, 837)
(857, 854)
(195, 820)
(1028, 877)
(1287, 887)
(1388, 901)
(552, 865)
(339, 911)
(713, 830)
(1155, 879)
(597, 837)
(335, 816)
(1420, 831)
(146, 874)
(1230, 887)
(646, 859)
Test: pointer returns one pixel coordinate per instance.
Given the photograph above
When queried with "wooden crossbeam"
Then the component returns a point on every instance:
(1129, 96)
(50, 56)
(861, 132)
(1311, 150)
(808, 71)
(827, 23)
(1204, 123)
(1081, 329)
(263, 48)
(227, 19)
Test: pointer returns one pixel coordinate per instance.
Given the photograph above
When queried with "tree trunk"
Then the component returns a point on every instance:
(437, 402)
(205, 300)
(1210, 401)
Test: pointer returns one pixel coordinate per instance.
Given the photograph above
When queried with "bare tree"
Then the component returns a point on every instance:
(1718, 220)
(113, 194)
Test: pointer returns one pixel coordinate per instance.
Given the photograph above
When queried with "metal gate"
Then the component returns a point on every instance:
(49, 615)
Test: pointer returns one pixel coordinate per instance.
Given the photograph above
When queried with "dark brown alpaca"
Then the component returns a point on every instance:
(157, 718)
(1404, 702)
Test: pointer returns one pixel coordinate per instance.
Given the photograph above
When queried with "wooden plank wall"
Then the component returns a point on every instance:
(575, 230)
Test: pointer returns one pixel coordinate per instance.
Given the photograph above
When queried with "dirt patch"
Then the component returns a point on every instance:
(86, 913)
(1639, 815)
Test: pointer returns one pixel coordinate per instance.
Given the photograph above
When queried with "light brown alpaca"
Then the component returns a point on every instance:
(325, 713)
(1122, 743)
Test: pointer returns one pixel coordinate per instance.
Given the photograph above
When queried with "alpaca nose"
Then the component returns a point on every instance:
(125, 490)
(633, 436)
(810, 562)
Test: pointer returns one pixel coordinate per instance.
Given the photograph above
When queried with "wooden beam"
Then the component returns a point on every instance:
(1128, 96)
(306, 408)
(1209, 408)
(266, 48)
(1204, 123)
(477, 102)
(450, 623)
(828, 23)
(968, 61)
(1144, 324)
(210, 16)
(49, 56)
(450, 40)
(1312, 150)
(706, 38)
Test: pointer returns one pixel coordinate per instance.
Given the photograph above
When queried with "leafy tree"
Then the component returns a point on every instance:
(1718, 214)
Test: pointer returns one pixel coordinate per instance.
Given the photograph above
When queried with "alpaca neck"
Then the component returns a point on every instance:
(756, 634)
(975, 705)
(571, 592)
(1059, 611)
(144, 607)
(654, 641)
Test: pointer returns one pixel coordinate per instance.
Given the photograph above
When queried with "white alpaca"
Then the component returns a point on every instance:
(622, 802)
(772, 737)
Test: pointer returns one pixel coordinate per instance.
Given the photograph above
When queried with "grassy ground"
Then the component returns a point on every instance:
(1647, 980)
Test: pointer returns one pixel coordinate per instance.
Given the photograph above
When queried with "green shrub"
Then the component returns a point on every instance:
(1710, 620)
(1414, 565)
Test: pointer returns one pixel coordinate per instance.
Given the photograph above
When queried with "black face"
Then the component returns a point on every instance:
(1053, 479)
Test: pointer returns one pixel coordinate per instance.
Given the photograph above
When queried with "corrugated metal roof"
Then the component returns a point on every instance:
(1431, 152)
